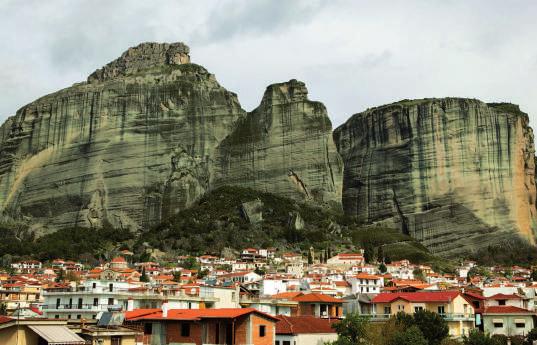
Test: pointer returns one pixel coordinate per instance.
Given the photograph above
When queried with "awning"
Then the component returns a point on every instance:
(57, 335)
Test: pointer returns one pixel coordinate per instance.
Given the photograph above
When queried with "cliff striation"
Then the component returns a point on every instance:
(286, 136)
(457, 174)
(140, 140)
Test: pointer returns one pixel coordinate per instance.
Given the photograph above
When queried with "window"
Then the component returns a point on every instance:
(189, 305)
(111, 287)
(80, 303)
(115, 340)
(95, 302)
(185, 330)
(277, 342)
(70, 303)
(441, 310)
(56, 316)
(520, 324)
(57, 303)
(286, 342)
(262, 330)
(416, 309)
(501, 302)
(94, 285)
(387, 310)
(498, 324)
(400, 307)
(79, 316)
(110, 301)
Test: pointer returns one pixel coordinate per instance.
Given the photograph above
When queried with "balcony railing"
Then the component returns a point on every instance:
(446, 316)
(78, 306)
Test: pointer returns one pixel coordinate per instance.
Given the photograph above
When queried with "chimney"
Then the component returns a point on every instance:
(165, 308)
(130, 304)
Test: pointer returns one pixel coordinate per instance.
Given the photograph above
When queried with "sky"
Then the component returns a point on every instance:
(352, 55)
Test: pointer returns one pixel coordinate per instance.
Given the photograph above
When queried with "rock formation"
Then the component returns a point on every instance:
(144, 137)
(456, 174)
(287, 136)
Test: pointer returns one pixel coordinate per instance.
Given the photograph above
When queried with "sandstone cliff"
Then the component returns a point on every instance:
(283, 145)
(454, 173)
(137, 142)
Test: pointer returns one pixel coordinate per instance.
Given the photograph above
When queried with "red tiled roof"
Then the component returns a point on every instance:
(366, 276)
(443, 296)
(501, 296)
(303, 325)
(286, 295)
(316, 297)
(506, 309)
(136, 313)
(198, 314)
(119, 259)
(475, 295)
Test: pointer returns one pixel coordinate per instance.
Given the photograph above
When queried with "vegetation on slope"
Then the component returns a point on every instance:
(214, 224)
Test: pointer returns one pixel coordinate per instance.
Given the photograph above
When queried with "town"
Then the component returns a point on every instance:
(258, 296)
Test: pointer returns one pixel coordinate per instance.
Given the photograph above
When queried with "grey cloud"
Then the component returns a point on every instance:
(263, 17)
(351, 54)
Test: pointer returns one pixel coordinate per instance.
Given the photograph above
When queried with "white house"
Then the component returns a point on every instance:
(304, 330)
(366, 283)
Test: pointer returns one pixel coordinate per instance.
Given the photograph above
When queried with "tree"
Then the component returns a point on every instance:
(352, 330)
(190, 263)
(72, 276)
(418, 274)
(310, 259)
(380, 254)
(533, 277)
(369, 252)
(144, 278)
(383, 268)
(476, 337)
(432, 325)
(60, 277)
(410, 336)
(3, 309)
(203, 273)
(532, 335)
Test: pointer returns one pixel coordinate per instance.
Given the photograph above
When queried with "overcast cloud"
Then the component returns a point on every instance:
(351, 54)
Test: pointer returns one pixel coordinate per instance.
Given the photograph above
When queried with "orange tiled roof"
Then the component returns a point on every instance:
(316, 297)
(303, 325)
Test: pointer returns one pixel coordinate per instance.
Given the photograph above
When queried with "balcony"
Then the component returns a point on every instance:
(98, 307)
(447, 317)
(458, 317)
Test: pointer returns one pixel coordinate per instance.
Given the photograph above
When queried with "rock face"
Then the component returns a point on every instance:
(284, 145)
(456, 174)
(140, 140)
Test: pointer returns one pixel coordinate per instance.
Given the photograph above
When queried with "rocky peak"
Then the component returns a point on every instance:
(143, 56)
(286, 92)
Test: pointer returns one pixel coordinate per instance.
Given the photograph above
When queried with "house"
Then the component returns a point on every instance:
(304, 330)
(458, 312)
(508, 320)
(36, 332)
(27, 266)
(87, 300)
(348, 259)
(366, 283)
(118, 263)
(319, 305)
(501, 299)
(204, 326)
